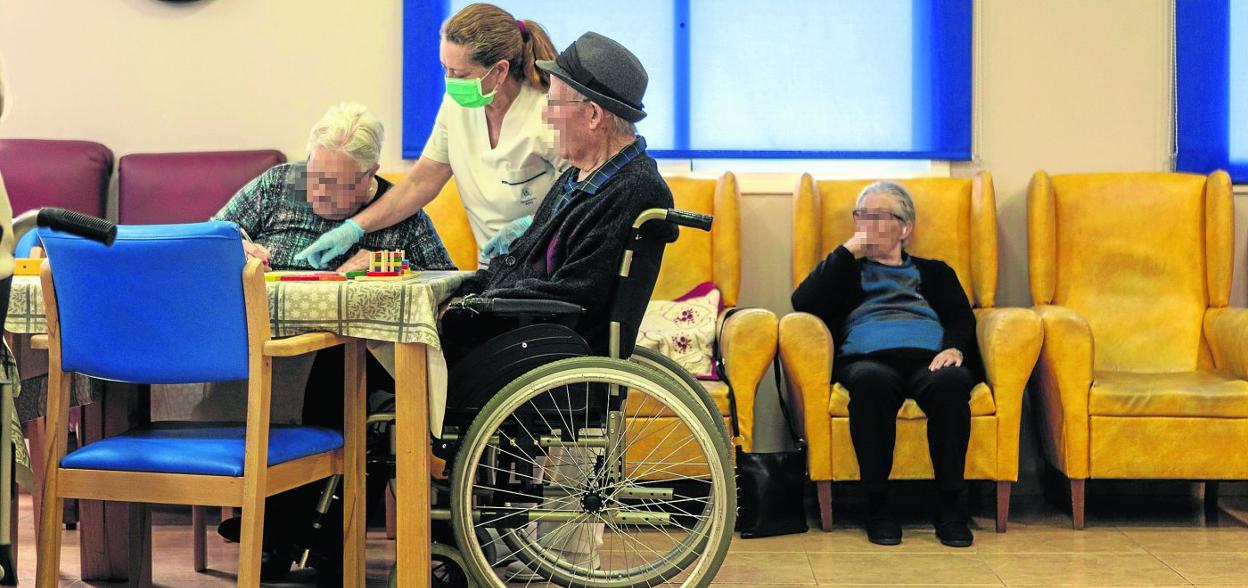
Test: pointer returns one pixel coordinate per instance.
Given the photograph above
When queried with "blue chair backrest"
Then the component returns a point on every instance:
(162, 305)
(29, 239)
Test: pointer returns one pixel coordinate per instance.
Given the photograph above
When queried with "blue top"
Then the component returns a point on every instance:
(893, 313)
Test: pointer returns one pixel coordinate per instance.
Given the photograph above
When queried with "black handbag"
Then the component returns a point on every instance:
(770, 486)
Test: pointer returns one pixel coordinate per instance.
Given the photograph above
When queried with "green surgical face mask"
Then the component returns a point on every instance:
(467, 92)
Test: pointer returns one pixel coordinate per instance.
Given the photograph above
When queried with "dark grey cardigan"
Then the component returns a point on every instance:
(574, 254)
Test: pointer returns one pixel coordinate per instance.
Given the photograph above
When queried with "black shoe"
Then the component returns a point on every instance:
(954, 533)
(274, 565)
(328, 571)
(230, 529)
(883, 530)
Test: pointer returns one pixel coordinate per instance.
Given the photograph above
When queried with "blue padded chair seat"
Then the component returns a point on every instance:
(214, 449)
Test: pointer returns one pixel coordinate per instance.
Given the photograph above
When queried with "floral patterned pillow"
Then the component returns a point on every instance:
(684, 329)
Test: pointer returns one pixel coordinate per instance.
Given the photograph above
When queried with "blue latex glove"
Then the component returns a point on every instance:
(500, 244)
(332, 244)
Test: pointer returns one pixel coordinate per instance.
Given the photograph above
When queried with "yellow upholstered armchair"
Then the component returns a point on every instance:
(749, 336)
(1144, 370)
(957, 224)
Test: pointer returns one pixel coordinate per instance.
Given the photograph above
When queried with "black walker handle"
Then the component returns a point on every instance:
(76, 223)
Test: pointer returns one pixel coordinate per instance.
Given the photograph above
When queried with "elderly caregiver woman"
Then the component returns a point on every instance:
(903, 328)
(489, 134)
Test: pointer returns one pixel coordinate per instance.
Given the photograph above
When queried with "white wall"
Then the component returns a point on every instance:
(1066, 85)
(145, 75)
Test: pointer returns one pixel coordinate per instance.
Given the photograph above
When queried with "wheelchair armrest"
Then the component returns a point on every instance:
(518, 307)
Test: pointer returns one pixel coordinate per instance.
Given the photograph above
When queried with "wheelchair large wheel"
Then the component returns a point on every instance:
(556, 447)
(657, 361)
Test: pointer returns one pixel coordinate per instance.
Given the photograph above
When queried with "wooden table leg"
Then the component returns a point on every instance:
(354, 513)
(412, 475)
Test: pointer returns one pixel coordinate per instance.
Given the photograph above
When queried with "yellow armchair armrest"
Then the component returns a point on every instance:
(806, 354)
(1064, 373)
(748, 347)
(1226, 329)
(1009, 341)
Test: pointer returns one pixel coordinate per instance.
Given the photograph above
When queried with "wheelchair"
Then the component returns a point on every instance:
(557, 454)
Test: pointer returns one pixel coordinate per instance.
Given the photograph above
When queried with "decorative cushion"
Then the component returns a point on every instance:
(684, 329)
(214, 449)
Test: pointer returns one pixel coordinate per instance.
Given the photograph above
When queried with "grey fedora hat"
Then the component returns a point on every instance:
(605, 72)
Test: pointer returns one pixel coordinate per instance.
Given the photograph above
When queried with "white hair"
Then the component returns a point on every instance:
(349, 127)
(898, 194)
(621, 127)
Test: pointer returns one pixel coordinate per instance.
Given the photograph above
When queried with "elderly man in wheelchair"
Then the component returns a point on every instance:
(554, 475)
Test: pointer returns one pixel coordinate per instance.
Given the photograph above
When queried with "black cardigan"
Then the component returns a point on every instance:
(834, 289)
(574, 254)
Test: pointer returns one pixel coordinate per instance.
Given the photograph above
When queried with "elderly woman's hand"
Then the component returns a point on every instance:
(360, 261)
(946, 358)
(257, 251)
(857, 245)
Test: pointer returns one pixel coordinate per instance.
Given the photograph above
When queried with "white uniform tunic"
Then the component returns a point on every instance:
(500, 184)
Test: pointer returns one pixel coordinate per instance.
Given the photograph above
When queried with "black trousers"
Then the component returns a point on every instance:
(878, 384)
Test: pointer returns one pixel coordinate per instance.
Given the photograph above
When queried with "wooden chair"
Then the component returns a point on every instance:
(151, 319)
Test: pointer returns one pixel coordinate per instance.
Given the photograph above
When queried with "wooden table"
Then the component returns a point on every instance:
(402, 312)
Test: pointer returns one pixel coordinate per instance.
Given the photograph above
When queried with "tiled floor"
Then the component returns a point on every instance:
(1156, 541)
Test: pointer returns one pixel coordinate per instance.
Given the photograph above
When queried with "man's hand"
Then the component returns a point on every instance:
(948, 357)
(256, 251)
(357, 262)
(332, 244)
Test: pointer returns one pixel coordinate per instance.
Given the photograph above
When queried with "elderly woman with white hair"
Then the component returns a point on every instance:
(289, 205)
(903, 328)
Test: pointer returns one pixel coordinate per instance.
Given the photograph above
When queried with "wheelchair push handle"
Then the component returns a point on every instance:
(76, 223)
(675, 216)
(686, 218)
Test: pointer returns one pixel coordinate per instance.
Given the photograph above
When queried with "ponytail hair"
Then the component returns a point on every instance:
(492, 35)
(537, 47)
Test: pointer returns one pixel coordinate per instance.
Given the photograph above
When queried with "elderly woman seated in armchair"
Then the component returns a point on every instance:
(902, 327)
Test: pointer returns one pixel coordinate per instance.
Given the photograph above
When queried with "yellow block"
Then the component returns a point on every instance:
(26, 267)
